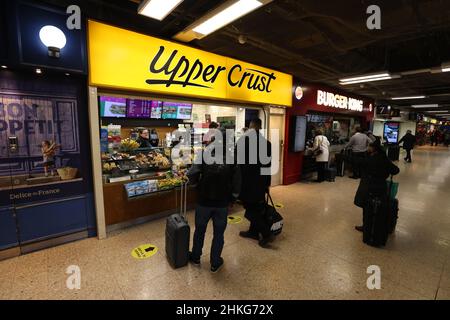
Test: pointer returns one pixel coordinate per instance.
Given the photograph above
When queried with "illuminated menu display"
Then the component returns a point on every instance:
(137, 108)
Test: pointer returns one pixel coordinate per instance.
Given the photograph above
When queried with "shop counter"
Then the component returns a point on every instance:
(119, 208)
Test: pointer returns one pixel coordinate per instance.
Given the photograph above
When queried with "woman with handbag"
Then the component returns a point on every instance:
(321, 152)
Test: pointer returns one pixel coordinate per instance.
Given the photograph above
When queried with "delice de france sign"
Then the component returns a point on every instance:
(124, 59)
(329, 99)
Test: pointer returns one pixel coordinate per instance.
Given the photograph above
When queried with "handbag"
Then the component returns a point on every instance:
(273, 218)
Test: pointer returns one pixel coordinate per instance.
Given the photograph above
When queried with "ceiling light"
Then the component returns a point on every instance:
(366, 80)
(38, 71)
(54, 39)
(425, 106)
(438, 111)
(4, 67)
(158, 9)
(445, 67)
(407, 98)
(371, 76)
(223, 15)
(227, 16)
(67, 74)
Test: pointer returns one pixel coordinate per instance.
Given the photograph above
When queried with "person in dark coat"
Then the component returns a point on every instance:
(218, 187)
(255, 181)
(409, 140)
(376, 168)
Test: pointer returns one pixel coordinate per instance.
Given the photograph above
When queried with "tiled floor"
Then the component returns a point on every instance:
(318, 255)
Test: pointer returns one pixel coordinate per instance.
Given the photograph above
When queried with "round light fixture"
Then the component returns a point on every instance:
(298, 93)
(54, 39)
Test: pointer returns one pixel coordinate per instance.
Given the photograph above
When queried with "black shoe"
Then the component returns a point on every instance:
(248, 234)
(359, 228)
(264, 242)
(193, 260)
(214, 269)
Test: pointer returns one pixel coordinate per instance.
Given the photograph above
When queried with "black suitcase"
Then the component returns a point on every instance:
(178, 235)
(394, 153)
(393, 215)
(375, 222)
(330, 174)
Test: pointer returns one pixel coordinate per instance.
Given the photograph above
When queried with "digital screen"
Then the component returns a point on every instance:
(156, 112)
(181, 111)
(391, 130)
(299, 134)
(137, 108)
(113, 107)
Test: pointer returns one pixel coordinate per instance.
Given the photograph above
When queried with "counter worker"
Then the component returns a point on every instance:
(143, 139)
(154, 138)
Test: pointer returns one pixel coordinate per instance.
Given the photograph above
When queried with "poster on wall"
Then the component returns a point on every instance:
(46, 133)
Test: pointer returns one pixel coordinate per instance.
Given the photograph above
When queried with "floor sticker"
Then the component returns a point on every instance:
(279, 205)
(234, 219)
(144, 251)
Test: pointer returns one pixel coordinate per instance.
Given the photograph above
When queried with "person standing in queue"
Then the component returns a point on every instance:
(256, 181)
(375, 169)
(143, 139)
(358, 144)
(409, 140)
(321, 151)
(218, 187)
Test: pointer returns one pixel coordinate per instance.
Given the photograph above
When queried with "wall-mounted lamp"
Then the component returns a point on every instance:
(54, 39)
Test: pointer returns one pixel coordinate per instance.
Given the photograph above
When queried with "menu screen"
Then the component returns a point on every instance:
(172, 110)
(156, 112)
(113, 107)
(137, 108)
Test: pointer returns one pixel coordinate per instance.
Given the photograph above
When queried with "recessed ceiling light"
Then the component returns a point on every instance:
(365, 80)
(67, 74)
(38, 71)
(445, 67)
(370, 76)
(158, 9)
(407, 98)
(438, 111)
(4, 67)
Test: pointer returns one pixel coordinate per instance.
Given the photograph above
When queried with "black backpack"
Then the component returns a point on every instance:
(216, 182)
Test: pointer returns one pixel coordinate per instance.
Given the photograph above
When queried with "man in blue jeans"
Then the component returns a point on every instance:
(218, 186)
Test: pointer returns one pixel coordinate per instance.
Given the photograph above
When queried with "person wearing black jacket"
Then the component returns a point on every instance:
(408, 144)
(143, 140)
(218, 187)
(376, 168)
(255, 181)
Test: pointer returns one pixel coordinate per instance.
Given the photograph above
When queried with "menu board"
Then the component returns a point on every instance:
(137, 108)
(113, 107)
(391, 131)
(173, 110)
(184, 111)
(156, 112)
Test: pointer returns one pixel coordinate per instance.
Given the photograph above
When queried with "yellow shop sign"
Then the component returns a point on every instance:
(124, 59)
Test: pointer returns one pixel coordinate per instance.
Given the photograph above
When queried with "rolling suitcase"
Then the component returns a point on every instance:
(375, 221)
(178, 235)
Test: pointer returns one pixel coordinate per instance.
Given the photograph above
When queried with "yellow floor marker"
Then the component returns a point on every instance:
(234, 219)
(279, 205)
(144, 251)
